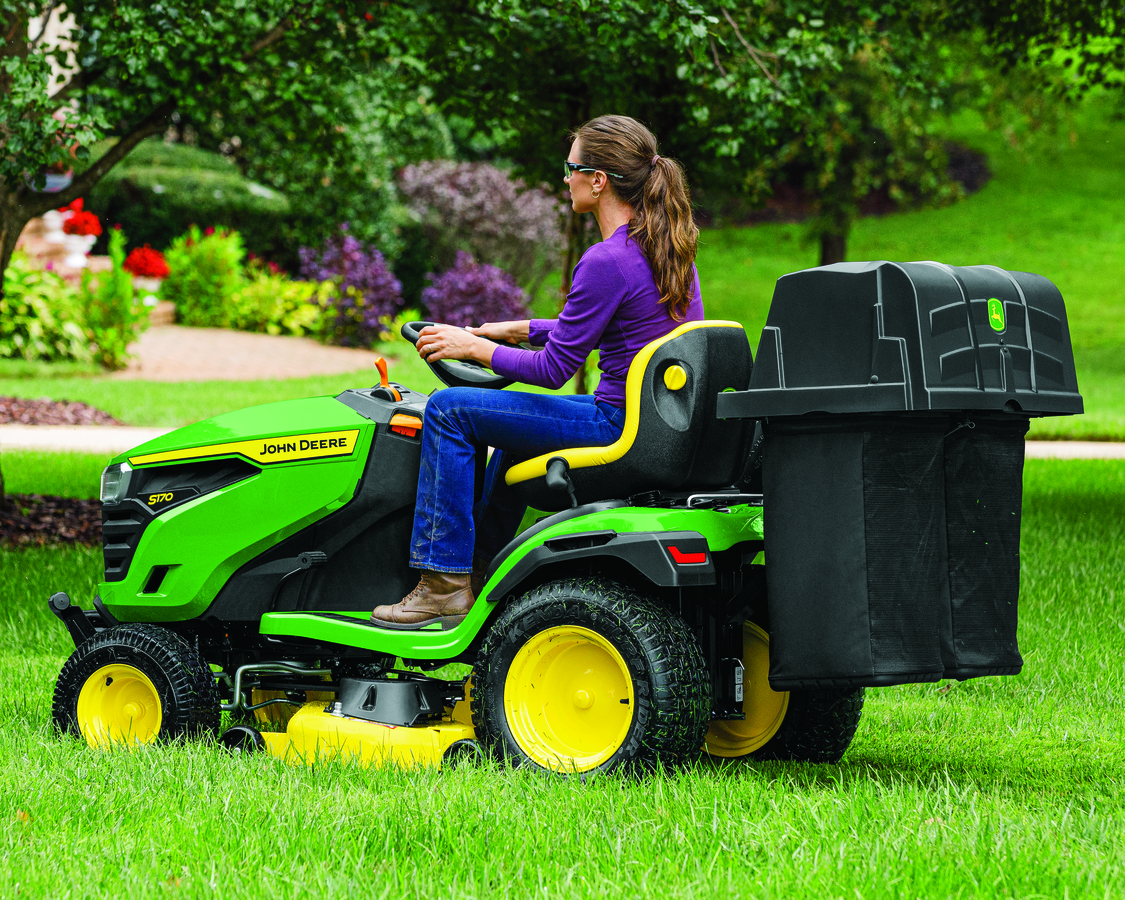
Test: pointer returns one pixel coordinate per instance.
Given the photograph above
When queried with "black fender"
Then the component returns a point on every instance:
(664, 558)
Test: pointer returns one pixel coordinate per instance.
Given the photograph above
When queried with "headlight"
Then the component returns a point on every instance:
(115, 482)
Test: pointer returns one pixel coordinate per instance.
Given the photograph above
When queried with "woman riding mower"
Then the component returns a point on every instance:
(635, 286)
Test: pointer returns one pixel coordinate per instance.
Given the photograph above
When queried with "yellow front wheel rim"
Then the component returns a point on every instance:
(568, 699)
(764, 707)
(119, 704)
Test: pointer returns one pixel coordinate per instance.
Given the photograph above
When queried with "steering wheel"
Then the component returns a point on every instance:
(457, 372)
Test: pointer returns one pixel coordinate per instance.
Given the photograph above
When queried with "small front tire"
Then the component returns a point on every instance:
(135, 684)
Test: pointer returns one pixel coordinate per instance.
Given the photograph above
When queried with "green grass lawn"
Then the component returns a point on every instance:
(998, 787)
(76, 475)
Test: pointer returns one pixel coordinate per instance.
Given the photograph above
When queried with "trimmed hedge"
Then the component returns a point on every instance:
(158, 191)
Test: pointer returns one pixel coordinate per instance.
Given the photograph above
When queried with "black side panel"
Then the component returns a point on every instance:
(816, 557)
(904, 528)
(367, 543)
(983, 531)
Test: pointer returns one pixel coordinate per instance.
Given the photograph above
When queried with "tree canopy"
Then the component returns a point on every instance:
(126, 66)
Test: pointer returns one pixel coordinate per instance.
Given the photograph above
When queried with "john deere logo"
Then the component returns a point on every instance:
(996, 314)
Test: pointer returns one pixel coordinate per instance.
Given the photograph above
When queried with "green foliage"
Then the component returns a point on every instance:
(205, 273)
(866, 129)
(273, 304)
(114, 317)
(40, 317)
(158, 191)
(335, 160)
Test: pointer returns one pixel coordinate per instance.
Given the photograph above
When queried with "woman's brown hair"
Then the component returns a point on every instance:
(656, 189)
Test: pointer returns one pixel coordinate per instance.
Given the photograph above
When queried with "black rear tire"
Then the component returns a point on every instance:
(164, 684)
(806, 726)
(818, 727)
(647, 680)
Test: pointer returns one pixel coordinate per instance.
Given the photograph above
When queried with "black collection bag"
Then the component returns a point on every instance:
(892, 548)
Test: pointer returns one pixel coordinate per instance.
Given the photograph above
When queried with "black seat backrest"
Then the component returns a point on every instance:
(672, 439)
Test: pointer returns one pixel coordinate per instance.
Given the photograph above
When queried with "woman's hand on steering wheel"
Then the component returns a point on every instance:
(449, 342)
(504, 332)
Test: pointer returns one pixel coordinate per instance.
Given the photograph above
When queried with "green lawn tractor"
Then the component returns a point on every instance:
(762, 543)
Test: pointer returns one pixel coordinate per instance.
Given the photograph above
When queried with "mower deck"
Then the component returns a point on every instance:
(315, 735)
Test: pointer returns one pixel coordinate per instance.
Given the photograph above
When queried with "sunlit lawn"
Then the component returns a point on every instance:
(997, 787)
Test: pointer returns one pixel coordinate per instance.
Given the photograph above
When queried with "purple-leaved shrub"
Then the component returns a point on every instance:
(480, 208)
(365, 288)
(472, 293)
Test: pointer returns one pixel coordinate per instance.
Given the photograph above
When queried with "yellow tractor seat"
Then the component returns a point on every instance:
(671, 439)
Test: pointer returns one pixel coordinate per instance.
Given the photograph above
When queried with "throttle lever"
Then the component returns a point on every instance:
(383, 389)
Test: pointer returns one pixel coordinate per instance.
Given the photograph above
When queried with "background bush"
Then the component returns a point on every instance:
(114, 316)
(206, 272)
(270, 303)
(472, 293)
(159, 190)
(40, 317)
(479, 208)
(364, 288)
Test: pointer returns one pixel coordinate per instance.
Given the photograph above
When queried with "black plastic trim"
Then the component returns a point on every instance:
(379, 410)
(546, 522)
(645, 551)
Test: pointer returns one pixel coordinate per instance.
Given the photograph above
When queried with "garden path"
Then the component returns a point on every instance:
(179, 353)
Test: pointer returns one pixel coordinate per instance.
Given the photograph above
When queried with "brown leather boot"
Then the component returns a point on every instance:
(441, 598)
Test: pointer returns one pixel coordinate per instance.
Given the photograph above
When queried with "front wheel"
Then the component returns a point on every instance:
(135, 684)
(585, 675)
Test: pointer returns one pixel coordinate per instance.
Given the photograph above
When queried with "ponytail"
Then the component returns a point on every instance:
(656, 189)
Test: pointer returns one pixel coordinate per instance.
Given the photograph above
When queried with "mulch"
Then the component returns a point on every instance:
(18, 411)
(33, 520)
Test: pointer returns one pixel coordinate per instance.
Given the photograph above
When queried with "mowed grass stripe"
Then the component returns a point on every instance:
(1003, 787)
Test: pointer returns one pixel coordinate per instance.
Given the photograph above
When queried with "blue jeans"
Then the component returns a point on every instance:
(462, 422)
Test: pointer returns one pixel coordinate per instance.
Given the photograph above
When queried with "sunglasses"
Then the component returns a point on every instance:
(569, 167)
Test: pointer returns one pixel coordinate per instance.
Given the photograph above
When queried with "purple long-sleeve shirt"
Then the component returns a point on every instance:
(613, 305)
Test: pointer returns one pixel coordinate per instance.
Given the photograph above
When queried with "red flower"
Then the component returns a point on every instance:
(83, 222)
(210, 230)
(146, 263)
(74, 206)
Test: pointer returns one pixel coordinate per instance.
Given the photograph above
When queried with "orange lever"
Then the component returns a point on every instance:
(381, 365)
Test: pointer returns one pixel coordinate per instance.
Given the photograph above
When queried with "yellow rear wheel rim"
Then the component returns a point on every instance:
(568, 699)
(764, 707)
(119, 704)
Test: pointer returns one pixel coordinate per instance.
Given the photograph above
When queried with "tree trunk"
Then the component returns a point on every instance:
(833, 248)
(12, 220)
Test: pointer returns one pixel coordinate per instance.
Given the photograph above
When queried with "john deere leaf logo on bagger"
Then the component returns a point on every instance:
(996, 315)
